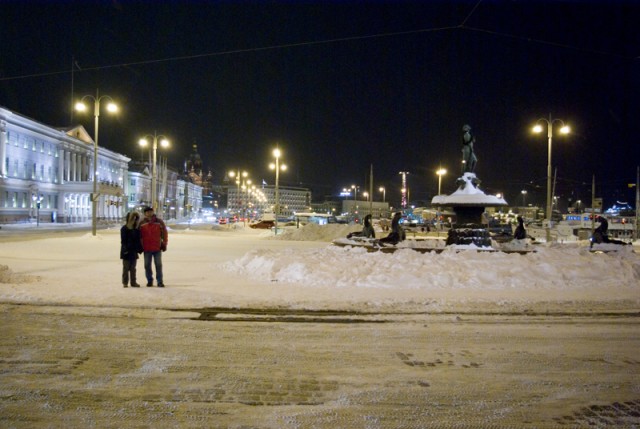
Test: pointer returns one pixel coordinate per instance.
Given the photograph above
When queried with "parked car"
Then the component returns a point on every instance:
(263, 224)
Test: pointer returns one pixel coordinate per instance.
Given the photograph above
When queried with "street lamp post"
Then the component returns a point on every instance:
(246, 190)
(355, 192)
(384, 193)
(564, 129)
(441, 172)
(81, 107)
(240, 177)
(355, 199)
(524, 197)
(277, 166)
(154, 175)
(37, 199)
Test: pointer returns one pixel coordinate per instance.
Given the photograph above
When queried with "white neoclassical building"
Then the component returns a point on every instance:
(47, 173)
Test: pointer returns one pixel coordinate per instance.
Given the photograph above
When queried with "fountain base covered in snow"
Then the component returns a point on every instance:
(468, 203)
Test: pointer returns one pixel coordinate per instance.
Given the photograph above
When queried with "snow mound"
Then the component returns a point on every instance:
(548, 269)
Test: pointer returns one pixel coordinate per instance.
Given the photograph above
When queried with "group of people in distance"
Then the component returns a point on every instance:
(148, 236)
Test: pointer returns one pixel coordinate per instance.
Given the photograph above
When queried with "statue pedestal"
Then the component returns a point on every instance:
(468, 203)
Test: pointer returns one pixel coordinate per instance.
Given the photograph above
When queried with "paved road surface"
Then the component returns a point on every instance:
(119, 368)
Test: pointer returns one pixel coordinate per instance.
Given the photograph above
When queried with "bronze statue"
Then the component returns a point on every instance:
(469, 159)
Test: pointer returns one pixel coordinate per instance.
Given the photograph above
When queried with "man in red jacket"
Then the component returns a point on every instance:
(154, 237)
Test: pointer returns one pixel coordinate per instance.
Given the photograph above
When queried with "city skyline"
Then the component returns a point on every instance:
(343, 86)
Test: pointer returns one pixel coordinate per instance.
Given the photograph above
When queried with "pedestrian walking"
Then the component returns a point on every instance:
(154, 238)
(130, 247)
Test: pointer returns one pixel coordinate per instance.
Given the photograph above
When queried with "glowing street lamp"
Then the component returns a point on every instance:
(37, 200)
(384, 193)
(112, 108)
(154, 175)
(240, 177)
(441, 172)
(277, 167)
(564, 129)
(524, 197)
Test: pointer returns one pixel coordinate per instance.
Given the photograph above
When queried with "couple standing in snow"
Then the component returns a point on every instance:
(149, 236)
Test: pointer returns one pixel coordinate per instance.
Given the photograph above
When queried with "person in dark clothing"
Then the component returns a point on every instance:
(367, 230)
(130, 248)
(397, 234)
(520, 233)
(600, 235)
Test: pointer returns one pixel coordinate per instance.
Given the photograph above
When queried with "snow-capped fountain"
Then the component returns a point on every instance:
(468, 201)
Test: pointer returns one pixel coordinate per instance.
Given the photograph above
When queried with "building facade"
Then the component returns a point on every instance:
(257, 201)
(46, 175)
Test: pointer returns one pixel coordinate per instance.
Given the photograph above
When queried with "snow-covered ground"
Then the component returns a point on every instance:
(225, 266)
(101, 355)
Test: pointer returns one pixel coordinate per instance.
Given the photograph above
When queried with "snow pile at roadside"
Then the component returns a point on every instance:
(609, 276)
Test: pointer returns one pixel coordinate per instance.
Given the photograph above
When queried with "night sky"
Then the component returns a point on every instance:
(343, 85)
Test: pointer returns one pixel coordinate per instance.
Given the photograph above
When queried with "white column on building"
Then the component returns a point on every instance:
(65, 159)
(74, 167)
(83, 168)
(61, 167)
(79, 167)
(3, 149)
(72, 163)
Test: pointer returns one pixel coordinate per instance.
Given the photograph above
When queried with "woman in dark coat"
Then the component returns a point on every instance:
(130, 247)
